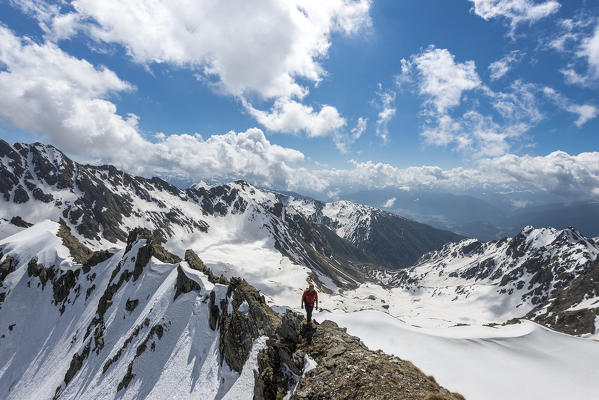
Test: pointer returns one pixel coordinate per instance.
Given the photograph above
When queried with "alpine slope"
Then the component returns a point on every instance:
(114, 285)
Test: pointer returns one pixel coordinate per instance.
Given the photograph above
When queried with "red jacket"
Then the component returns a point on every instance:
(309, 297)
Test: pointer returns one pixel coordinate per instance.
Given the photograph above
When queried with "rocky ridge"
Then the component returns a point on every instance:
(234, 310)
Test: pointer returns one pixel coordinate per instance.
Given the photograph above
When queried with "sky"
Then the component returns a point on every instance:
(318, 97)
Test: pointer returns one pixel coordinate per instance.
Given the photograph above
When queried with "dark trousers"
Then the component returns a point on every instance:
(309, 309)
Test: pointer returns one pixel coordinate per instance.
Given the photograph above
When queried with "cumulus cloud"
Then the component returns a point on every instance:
(47, 91)
(289, 116)
(443, 80)
(569, 176)
(231, 41)
(516, 11)
(499, 68)
(449, 120)
(386, 100)
(245, 154)
(269, 50)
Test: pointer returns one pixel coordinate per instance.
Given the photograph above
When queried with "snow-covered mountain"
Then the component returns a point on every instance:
(101, 204)
(389, 239)
(101, 298)
(139, 323)
(546, 275)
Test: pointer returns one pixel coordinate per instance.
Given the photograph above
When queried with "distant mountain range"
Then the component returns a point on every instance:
(474, 217)
(100, 204)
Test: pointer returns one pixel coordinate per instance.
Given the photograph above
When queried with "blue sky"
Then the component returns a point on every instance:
(317, 97)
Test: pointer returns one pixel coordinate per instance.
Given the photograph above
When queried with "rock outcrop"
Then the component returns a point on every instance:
(345, 368)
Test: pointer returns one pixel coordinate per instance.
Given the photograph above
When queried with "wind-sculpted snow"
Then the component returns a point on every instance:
(522, 361)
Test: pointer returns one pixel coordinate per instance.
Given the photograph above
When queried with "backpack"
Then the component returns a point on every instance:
(310, 296)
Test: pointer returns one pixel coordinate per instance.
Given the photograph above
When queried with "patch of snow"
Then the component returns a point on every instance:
(244, 308)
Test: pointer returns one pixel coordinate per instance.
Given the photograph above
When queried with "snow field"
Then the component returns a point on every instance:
(524, 361)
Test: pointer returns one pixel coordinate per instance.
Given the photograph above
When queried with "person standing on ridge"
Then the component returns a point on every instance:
(309, 299)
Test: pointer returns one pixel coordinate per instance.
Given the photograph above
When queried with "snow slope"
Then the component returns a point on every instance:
(165, 345)
(523, 361)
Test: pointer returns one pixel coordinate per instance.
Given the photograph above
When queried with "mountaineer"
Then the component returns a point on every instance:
(309, 299)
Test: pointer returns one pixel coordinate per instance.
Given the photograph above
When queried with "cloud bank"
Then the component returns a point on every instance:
(266, 53)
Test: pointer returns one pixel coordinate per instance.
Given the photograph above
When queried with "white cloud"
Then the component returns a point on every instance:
(442, 79)
(231, 41)
(48, 91)
(579, 39)
(516, 11)
(450, 121)
(343, 141)
(245, 154)
(518, 104)
(569, 176)
(270, 50)
(585, 112)
(64, 98)
(499, 68)
(289, 116)
(386, 100)
(589, 49)
(389, 203)
(360, 128)
(474, 133)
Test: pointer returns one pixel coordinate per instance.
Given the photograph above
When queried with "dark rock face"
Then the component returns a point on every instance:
(387, 239)
(184, 284)
(196, 263)
(347, 369)
(79, 252)
(76, 364)
(8, 265)
(21, 195)
(18, 221)
(44, 274)
(238, 331)
(96, 258)
(151, 248)
(131, 304)
(100, 206)
(558, 316)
